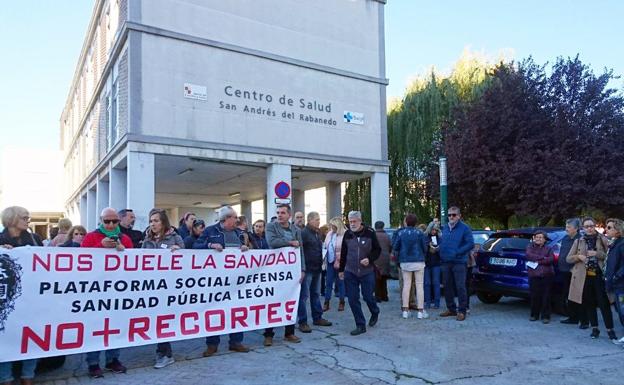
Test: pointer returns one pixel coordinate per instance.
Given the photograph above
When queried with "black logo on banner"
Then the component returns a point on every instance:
(10, 286)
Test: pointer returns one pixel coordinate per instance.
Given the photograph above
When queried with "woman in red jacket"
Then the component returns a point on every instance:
(540, 259)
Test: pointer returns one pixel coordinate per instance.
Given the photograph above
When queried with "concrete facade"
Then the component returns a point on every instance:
(194, 104)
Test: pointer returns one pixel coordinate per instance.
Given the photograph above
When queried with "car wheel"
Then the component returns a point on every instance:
(488, 298)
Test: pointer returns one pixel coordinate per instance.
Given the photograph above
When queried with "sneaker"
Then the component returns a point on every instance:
(595, 333)
(545, 320)
(268, 341)
(373, 319)
(619, 342)
(163, 361)
(305, 328)
(584, 326)
(461, 316)
(322, 322)
(358, 331)
(95, 371)
(115, 366)
(422, 314)
(612, 336)
(292, 338)
(532, 318)
(448, 313)
(405, 314)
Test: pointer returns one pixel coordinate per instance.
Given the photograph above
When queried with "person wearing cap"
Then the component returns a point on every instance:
(198, 228)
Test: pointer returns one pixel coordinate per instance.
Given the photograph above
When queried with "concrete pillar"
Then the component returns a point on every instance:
(246, 211)
(117, 188)
(333, 199)
(140, 186)
(92, 214)
(102, 195)
(82, 206)
(298, 201)
(380, 197)
(276, 173)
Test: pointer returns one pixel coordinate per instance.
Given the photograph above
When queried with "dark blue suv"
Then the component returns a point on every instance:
(501, 264)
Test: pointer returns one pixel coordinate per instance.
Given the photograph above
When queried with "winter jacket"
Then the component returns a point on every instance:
(383, 262)
(410, 245)
(545, 259)
(564, 250)
(356, 246)
(313, 249)
(26, 238)
(277, 237)
(259, 241)
(212, 235)
(614, 272)
(171, 238)
(94, 239)
(579, 271)
(456, 243)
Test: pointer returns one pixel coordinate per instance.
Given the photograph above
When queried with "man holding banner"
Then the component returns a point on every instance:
(109, 236)
(219, 236)
(283, 233)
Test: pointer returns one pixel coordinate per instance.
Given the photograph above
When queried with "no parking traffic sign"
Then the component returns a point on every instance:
(282, 190)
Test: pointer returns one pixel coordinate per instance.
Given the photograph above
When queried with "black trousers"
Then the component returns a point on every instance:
(595, 295)
(289, 330)
(381, 287)
(575, 311)
(539, 289)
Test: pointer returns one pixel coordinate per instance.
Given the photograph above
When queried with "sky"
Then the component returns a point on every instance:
(40, 42)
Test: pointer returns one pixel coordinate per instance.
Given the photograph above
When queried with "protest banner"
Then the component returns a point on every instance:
(56, 301)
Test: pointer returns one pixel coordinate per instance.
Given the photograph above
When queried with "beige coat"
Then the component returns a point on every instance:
(579, 272)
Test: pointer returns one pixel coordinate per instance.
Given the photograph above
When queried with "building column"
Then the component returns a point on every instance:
(140, 186)
(380, 197)
(102, 195)
(333, 199)
(246, 211)
(92, 214)
(82, 206)
(275, 173)
(298, 203)
(117, 188)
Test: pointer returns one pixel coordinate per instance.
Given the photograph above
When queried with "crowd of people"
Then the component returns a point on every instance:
(349, 259)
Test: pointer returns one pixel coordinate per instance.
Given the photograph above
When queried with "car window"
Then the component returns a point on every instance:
(506, 242)
(480, 238)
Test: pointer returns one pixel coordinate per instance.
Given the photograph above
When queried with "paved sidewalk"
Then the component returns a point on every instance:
(496, 345)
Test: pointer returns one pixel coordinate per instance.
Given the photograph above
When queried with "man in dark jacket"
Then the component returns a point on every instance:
(126, 222)
(575, 312)
(359, 251)
(455, 245)
(219, 236)
(614, 271)
(311, 286)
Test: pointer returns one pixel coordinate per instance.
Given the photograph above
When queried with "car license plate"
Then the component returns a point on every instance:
(503, 261)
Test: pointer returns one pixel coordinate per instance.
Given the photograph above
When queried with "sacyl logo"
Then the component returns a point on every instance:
(353, 117)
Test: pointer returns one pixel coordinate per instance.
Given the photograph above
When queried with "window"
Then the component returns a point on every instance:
(112, 108)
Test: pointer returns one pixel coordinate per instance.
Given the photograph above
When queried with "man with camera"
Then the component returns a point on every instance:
(108, 236)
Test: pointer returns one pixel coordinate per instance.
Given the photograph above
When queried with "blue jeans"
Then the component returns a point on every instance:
(353, 286)
(28, 370)
(235, 339)
(332, 276)
(310, 288)
(455, 281)
(93, 358)
(432, 281)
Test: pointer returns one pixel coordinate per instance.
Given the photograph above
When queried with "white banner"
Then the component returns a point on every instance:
(56, 301)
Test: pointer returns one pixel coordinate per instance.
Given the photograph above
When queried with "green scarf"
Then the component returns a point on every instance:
(109, 233)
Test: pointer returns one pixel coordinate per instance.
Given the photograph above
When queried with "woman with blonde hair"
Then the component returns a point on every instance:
(333, 243)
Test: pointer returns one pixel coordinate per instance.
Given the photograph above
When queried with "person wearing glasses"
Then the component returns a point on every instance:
(455, 246)
(614, 272)
(587, 286)
(75, 235)
(219, 236)
(15, 220)
(108, 236)
(161, 235)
